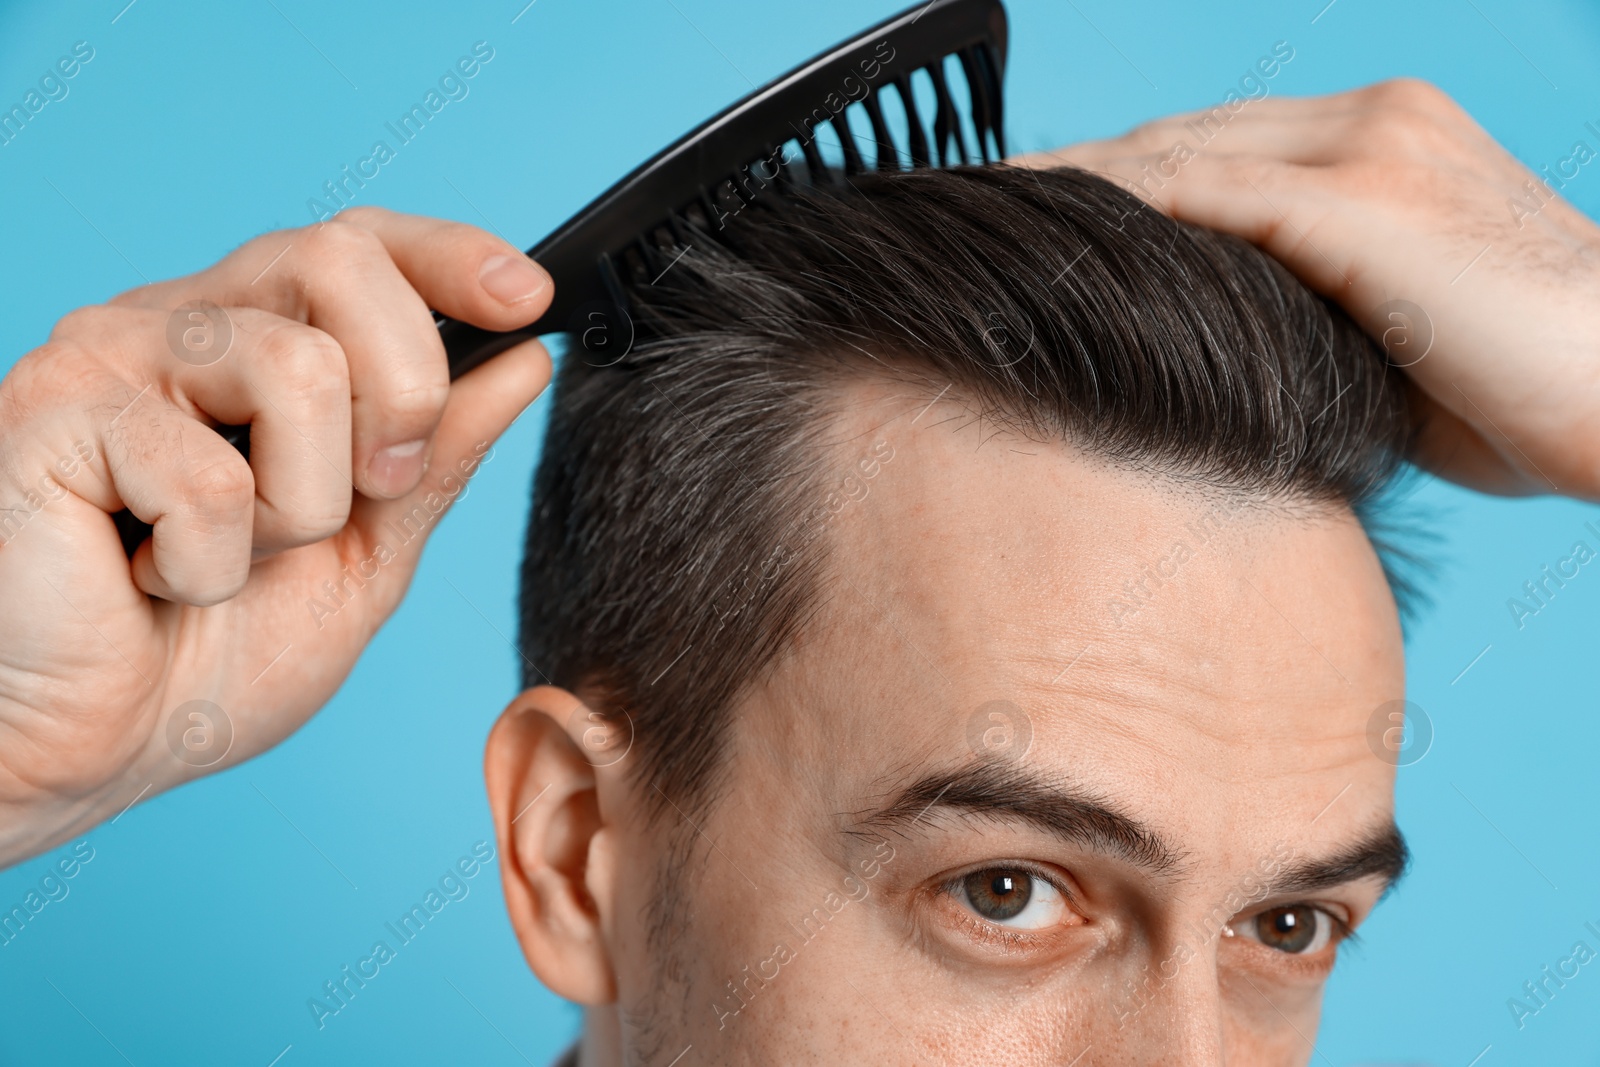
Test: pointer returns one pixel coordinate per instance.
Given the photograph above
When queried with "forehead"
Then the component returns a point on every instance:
(1207, 661)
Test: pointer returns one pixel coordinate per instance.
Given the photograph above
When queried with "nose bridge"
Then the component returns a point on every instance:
(1171, 1013)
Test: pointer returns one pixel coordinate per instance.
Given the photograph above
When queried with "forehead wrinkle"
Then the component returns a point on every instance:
(1122, 708)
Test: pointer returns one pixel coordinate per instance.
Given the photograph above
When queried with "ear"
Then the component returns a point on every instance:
(557, 853)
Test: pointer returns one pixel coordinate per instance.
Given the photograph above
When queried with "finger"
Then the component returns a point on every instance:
(460, 270)
(1292, 129)
(344, 277)
(339, 278)
(115, 445)
(1398, 119)
(195, 490)
(287, 381)
(398, 376)
(388, 535)
(291, 384)
(1295, 126)
(1167, 145)
(1277, 206)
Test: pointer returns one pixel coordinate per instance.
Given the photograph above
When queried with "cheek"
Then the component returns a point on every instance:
(1263, 1031)
(897, 1011)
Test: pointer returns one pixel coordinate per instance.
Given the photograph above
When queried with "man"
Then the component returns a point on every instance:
(930, 667)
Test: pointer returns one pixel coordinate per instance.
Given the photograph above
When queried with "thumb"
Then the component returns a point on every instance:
(483, 403)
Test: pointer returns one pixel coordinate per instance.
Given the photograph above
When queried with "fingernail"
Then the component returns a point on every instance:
(394, 470)
(512, 279)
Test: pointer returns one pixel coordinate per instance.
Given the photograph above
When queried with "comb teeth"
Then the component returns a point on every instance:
(847, 143)
(919, 139)
(983, 101)
(883, 148)
(920, 144)
(946, 123)
(944, 142)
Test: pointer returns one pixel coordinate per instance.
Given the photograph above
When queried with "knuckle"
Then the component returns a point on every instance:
(305, 366)
(222, 485)
(364, 215)
(308, 526)
(93, 323)
(416, 399)
(139, 296)
(1413, 94)
(297, 354)
(341, 242)
(1394, 137)
(1411, 118)
(56, 359)
(58, 373)
(1151, 135)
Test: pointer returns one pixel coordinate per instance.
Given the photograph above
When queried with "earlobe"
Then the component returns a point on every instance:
(557, 861)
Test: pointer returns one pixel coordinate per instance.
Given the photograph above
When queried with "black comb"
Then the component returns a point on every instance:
(634, 231)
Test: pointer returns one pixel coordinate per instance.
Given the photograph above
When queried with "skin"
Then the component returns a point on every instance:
(1380, 193)
(334, 360)
(1228, 717)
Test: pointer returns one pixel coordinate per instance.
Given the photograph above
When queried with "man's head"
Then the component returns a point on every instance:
(951, 635)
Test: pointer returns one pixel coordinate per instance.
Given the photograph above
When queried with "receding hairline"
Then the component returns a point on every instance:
(863, 389)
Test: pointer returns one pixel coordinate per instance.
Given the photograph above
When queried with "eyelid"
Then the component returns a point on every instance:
(967, 923)
(952, 884)
(1343, 932)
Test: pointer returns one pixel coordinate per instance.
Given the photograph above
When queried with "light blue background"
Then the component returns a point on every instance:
(208, 915)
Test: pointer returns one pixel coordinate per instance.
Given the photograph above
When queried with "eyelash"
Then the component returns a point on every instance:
(991, 933)
(1316, 967)
(1010, 939)
(1343, 932)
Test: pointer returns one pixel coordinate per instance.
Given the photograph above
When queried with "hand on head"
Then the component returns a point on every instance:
(1391, 200)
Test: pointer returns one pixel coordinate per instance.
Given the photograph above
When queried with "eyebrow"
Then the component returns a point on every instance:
(999, 790)
(1381, 853)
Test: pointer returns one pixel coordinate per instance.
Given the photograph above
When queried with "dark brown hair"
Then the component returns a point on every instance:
(669, 557)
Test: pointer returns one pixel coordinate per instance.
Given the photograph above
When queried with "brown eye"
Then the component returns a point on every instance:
(1012, 896)
(998, 894)
(1024, 901)
(1296, 929)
